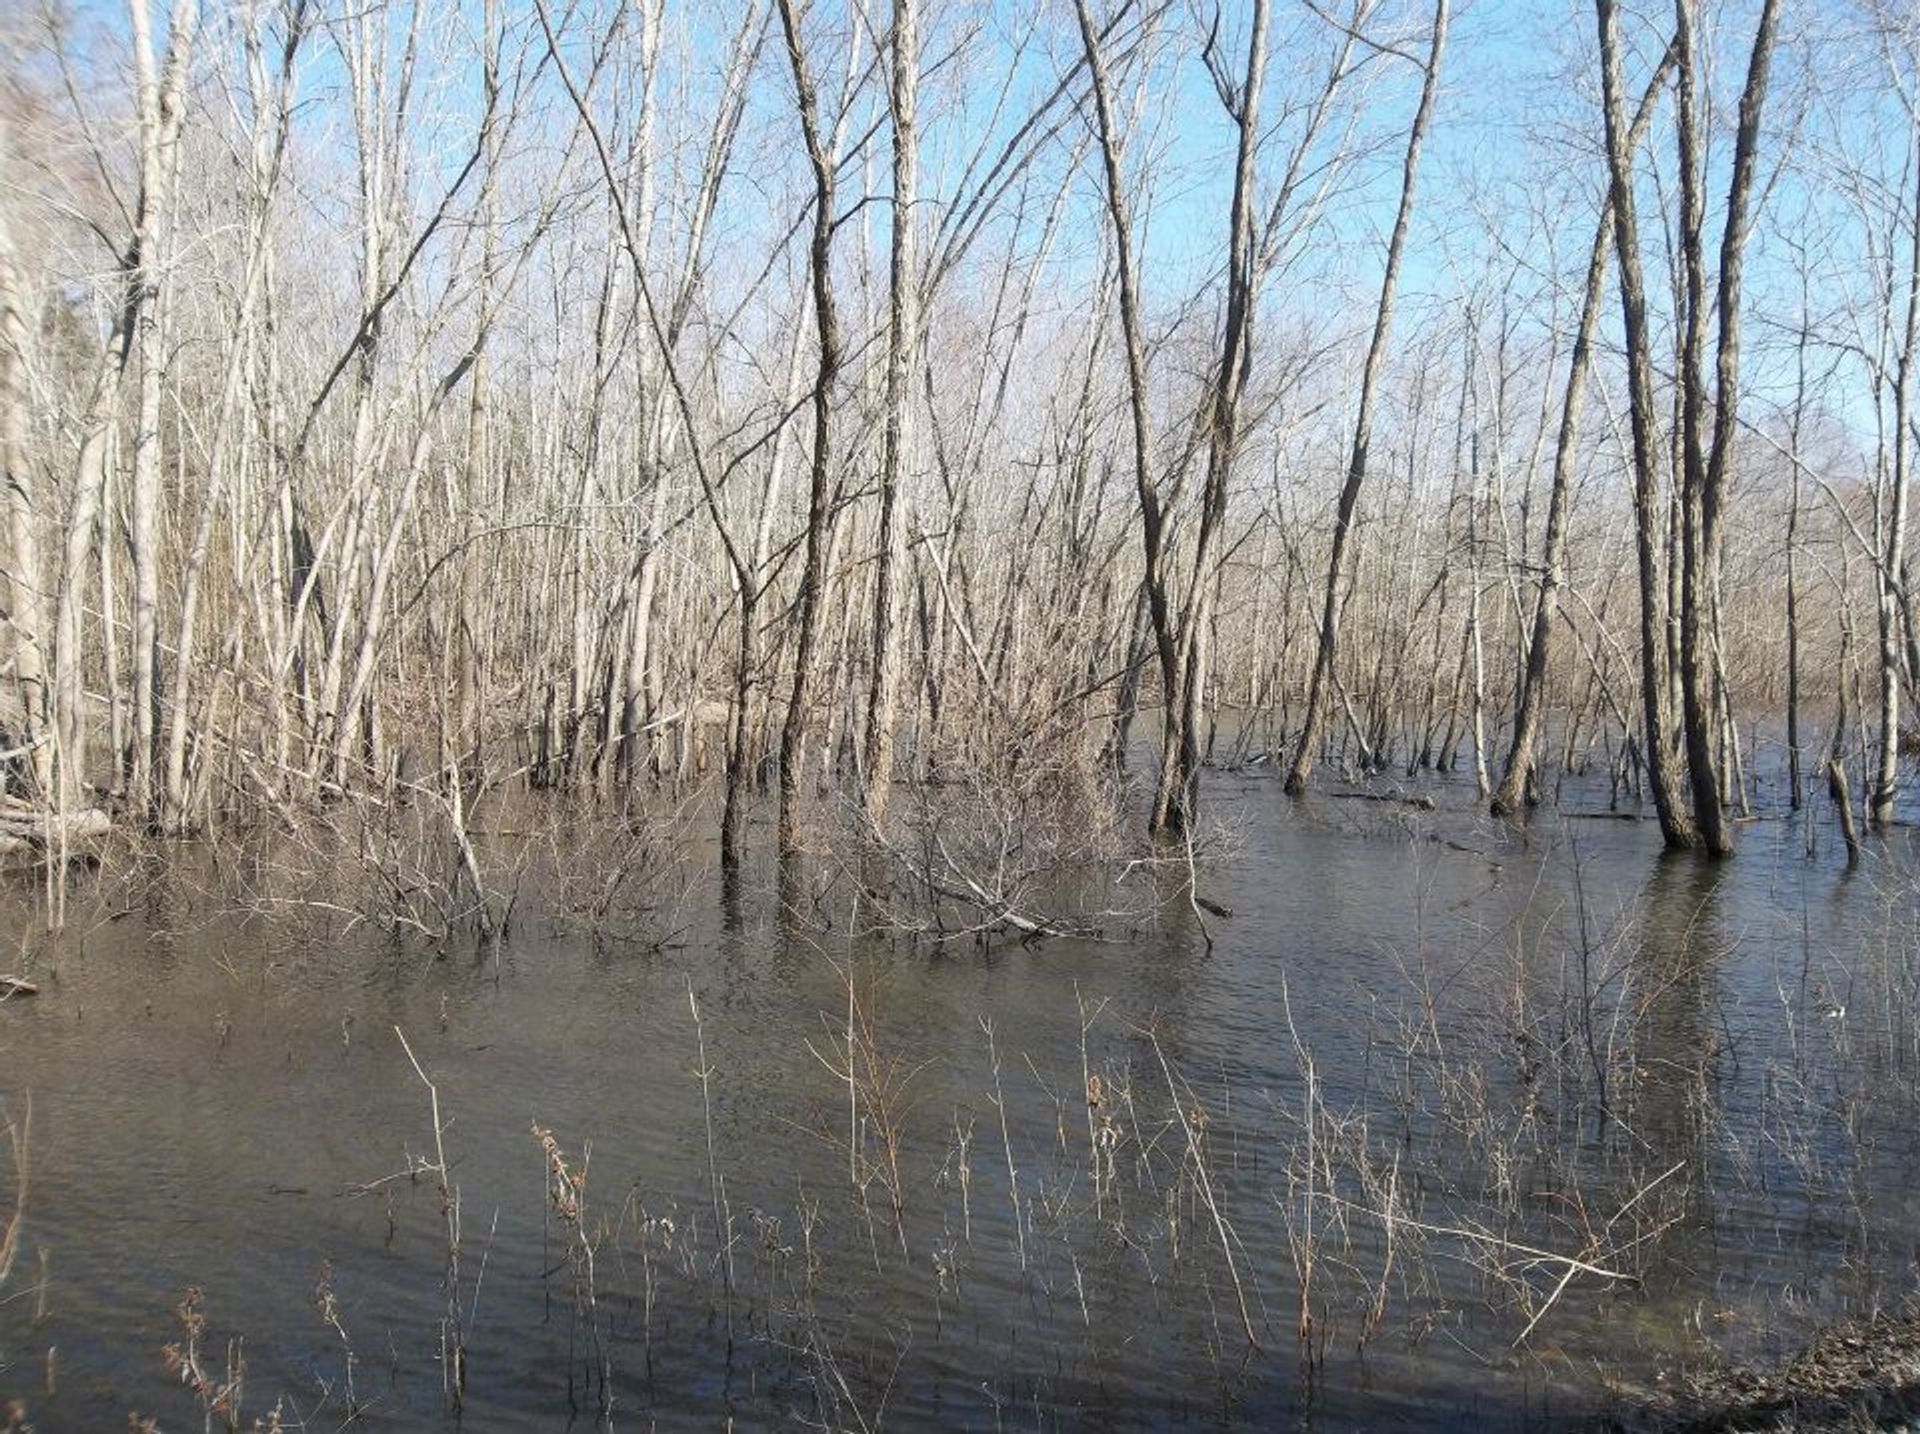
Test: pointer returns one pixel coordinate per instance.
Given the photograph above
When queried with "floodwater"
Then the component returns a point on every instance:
(1421, 1046)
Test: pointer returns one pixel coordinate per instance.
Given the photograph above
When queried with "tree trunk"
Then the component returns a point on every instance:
(1324, 652)
(902, 339)
(1893, 560)
(1697, 608)
(23, 579)
(1152, 517)
(820, 474)
(1519, 779)
(1676, 825)
(1179, 792)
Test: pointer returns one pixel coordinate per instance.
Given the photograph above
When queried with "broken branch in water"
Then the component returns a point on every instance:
(17, 1135)
(1531, 1254)
(23, 826)
(453, 1341)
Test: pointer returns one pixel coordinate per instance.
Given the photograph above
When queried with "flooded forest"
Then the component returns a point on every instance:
(1003, 715)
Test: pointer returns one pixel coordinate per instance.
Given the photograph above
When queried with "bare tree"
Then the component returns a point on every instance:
(820, 468)
(25, 500)
(1178, 795)
(161, 95)
(273, 117)
(329, 466)
(1519, 780)
(1309, 740)
(1662, 761)
(903, 281)
(1891, 562)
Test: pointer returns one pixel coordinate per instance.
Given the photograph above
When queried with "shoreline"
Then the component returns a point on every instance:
(1857, 1375)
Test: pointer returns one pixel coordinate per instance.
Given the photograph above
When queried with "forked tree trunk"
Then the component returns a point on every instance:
(1733, 248)
(1697, 609)
(1179, 791)
(1676, 825)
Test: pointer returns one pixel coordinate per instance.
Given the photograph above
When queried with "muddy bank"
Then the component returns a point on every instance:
(1860, 1375)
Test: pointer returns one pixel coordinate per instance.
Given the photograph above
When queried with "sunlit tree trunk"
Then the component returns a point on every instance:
(1322, 676)
(23, 578)
(1179, 790)
(1152, 515)
(273, 115)
(160, 104)
(1893, 560)
(1519, 779)
(820, 469)
(902, 339)
(1662, 762)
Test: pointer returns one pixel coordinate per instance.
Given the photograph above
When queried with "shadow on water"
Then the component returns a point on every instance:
(1678, 1041)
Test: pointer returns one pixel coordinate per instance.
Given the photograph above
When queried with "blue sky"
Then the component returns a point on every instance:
(1511, 158)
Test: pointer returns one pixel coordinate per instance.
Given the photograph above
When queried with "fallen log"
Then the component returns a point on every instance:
(1418, 801)
(23, 826)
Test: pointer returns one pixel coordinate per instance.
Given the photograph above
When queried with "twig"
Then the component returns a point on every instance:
(1206, 1190)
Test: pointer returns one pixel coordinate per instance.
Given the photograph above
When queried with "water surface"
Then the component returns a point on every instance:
(222, 1101)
